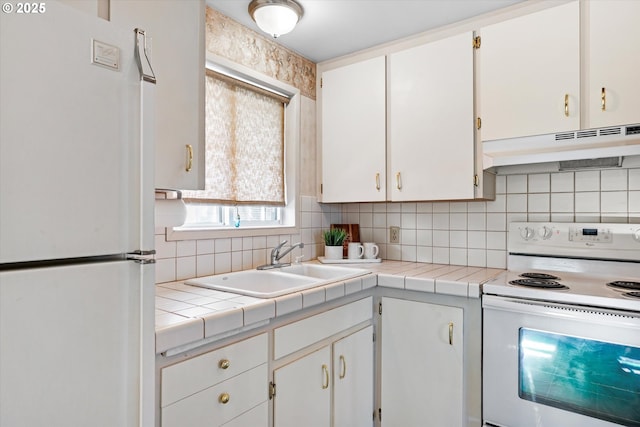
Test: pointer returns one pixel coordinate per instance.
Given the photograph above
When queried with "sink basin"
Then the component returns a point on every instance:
(276, 282)
(325, 272)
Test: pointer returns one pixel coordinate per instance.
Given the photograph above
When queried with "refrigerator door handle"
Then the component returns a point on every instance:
(141, 257)
(144, 65)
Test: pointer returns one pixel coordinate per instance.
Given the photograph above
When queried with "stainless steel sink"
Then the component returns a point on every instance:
(276, 282)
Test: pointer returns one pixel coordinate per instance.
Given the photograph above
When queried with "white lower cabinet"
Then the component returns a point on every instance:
(344, 370)
(226, 387)
(353, 380)
(303, 396)
(324, 375)
(422, 364)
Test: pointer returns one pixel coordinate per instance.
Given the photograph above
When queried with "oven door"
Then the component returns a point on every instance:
(550, 365)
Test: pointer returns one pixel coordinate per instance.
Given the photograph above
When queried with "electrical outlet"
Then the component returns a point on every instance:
(394, 234)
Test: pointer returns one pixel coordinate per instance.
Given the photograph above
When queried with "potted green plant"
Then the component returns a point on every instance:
(333, 241)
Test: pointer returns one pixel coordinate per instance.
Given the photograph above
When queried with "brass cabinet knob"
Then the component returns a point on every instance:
(224, 398)
(224, 364)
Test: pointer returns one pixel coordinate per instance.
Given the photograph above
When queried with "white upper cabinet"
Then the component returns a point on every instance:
(353, 132)
(613, 62)
(177, 47)
(431, 126)
(529, 74)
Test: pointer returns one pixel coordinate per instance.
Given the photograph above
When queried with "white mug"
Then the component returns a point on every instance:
(355, 250)
(370, 250)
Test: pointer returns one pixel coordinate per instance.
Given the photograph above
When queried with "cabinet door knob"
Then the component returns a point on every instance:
(450, 333)
(189, 157)
(603, 99)
(343, 367)
(224, 364)
(325, 371)
(224, 398)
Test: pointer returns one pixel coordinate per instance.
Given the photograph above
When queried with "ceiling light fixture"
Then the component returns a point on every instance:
(275, 17)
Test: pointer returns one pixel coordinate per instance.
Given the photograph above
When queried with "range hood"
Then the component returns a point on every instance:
(613, 141)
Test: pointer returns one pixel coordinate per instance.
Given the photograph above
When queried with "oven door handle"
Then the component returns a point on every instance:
(601, 316)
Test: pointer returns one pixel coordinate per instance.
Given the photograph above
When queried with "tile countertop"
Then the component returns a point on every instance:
(187, 316)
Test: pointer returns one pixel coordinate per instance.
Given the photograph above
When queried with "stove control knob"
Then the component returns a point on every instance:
(545, 232)
(527, 233)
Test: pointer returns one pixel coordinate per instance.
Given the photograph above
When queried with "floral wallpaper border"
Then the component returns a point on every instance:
(229, 39)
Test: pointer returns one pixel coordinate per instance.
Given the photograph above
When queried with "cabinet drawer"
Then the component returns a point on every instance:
(298, 335)
(205, 408)
(256, 417)
(191, 376)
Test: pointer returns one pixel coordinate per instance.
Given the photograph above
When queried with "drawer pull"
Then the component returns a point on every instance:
(325, 371)
(189, 158)
(224, 398)
(224, 364)
(343, 365)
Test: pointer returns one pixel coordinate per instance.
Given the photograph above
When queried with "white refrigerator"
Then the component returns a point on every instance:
(76, 220)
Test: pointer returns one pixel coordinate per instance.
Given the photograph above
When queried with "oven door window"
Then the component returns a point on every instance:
(593, 378)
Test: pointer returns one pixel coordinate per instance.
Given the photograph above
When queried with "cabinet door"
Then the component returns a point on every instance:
(177, 55)
(353, 380)
(422, 364)
(528, 66)
(614, 62)
(303, 391)
(353, 132)
(431, 136)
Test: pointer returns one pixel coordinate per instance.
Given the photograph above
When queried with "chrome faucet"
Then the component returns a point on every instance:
(276, 256)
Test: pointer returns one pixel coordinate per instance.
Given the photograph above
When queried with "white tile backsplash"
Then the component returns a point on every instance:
(562, 182)
(588, 181)
(613, 201)
(634, 179)
(538, 202)
(562, 202)
(613, 180)
(516, 184)
(539, 183)
(464, 233)
(588, 201)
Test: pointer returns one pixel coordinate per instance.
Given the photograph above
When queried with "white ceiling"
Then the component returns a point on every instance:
(332, 28)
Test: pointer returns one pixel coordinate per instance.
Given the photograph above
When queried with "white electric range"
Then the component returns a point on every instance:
(561, 328)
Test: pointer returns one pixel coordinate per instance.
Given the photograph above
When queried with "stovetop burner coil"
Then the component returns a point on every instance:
(632, 294)
(538, 283)
(624, 284)
(540, 276)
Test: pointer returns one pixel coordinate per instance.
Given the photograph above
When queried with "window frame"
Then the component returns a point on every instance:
(290, 212)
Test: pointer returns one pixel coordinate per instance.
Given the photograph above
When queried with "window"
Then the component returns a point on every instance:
(251, 136)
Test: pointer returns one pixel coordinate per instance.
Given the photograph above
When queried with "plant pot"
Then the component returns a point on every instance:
(333, 252)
